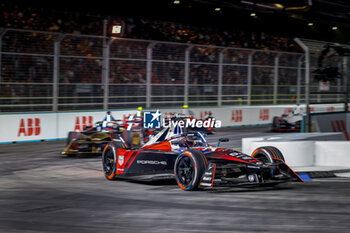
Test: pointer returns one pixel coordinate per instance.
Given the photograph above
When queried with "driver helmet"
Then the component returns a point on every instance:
(190, 142)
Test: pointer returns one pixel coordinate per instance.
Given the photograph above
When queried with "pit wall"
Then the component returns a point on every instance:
(52, 126)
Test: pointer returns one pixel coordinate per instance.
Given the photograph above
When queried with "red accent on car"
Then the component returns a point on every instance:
(162, 146)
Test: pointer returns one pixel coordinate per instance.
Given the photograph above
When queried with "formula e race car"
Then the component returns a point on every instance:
(291, 121)
(194, 163)
(93, 139)
(287, 122)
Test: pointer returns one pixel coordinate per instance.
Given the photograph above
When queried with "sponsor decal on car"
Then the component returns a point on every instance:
(152, 162)
(83, 146)
(120, 159)
(240, 156)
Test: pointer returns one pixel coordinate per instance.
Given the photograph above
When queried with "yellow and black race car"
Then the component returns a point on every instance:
(93, 139)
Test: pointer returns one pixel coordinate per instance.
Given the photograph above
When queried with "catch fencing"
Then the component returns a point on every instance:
(55, 72)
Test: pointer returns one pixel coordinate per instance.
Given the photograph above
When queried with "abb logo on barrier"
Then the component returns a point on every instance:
(29, 127)
(82, 122)
(339, 126)
(330, 109)
(237, 116)
(264, 114)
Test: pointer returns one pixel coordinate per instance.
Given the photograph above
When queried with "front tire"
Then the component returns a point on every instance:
(71, 135)
(275, 123)
(109, 159)
(268, 154)
(189, 168)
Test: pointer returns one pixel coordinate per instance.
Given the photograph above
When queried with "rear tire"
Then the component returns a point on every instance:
(109, 159)
(268, 154)
(275, 123)
(189, 168)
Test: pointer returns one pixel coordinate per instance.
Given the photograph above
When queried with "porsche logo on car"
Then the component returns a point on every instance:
(120, 159)
(152, 162)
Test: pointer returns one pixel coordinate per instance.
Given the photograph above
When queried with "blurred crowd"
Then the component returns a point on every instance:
(141, 28)
(127, 63)
(233, 37)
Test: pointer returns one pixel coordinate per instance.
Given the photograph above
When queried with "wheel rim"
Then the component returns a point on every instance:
(185, 171)
(262, 158)
(108, 162)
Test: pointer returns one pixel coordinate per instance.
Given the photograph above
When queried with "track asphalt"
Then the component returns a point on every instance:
(42, 191)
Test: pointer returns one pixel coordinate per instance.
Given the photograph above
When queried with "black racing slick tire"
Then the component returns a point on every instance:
(275, 123)
(268, 154)
(71, 136)
(189, 168)
(109, 159)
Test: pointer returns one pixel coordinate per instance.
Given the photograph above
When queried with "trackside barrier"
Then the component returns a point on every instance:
(51, 126)
(28, 127)
(332, 153)
(305, 149)
(332, 122)
(48, 126)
